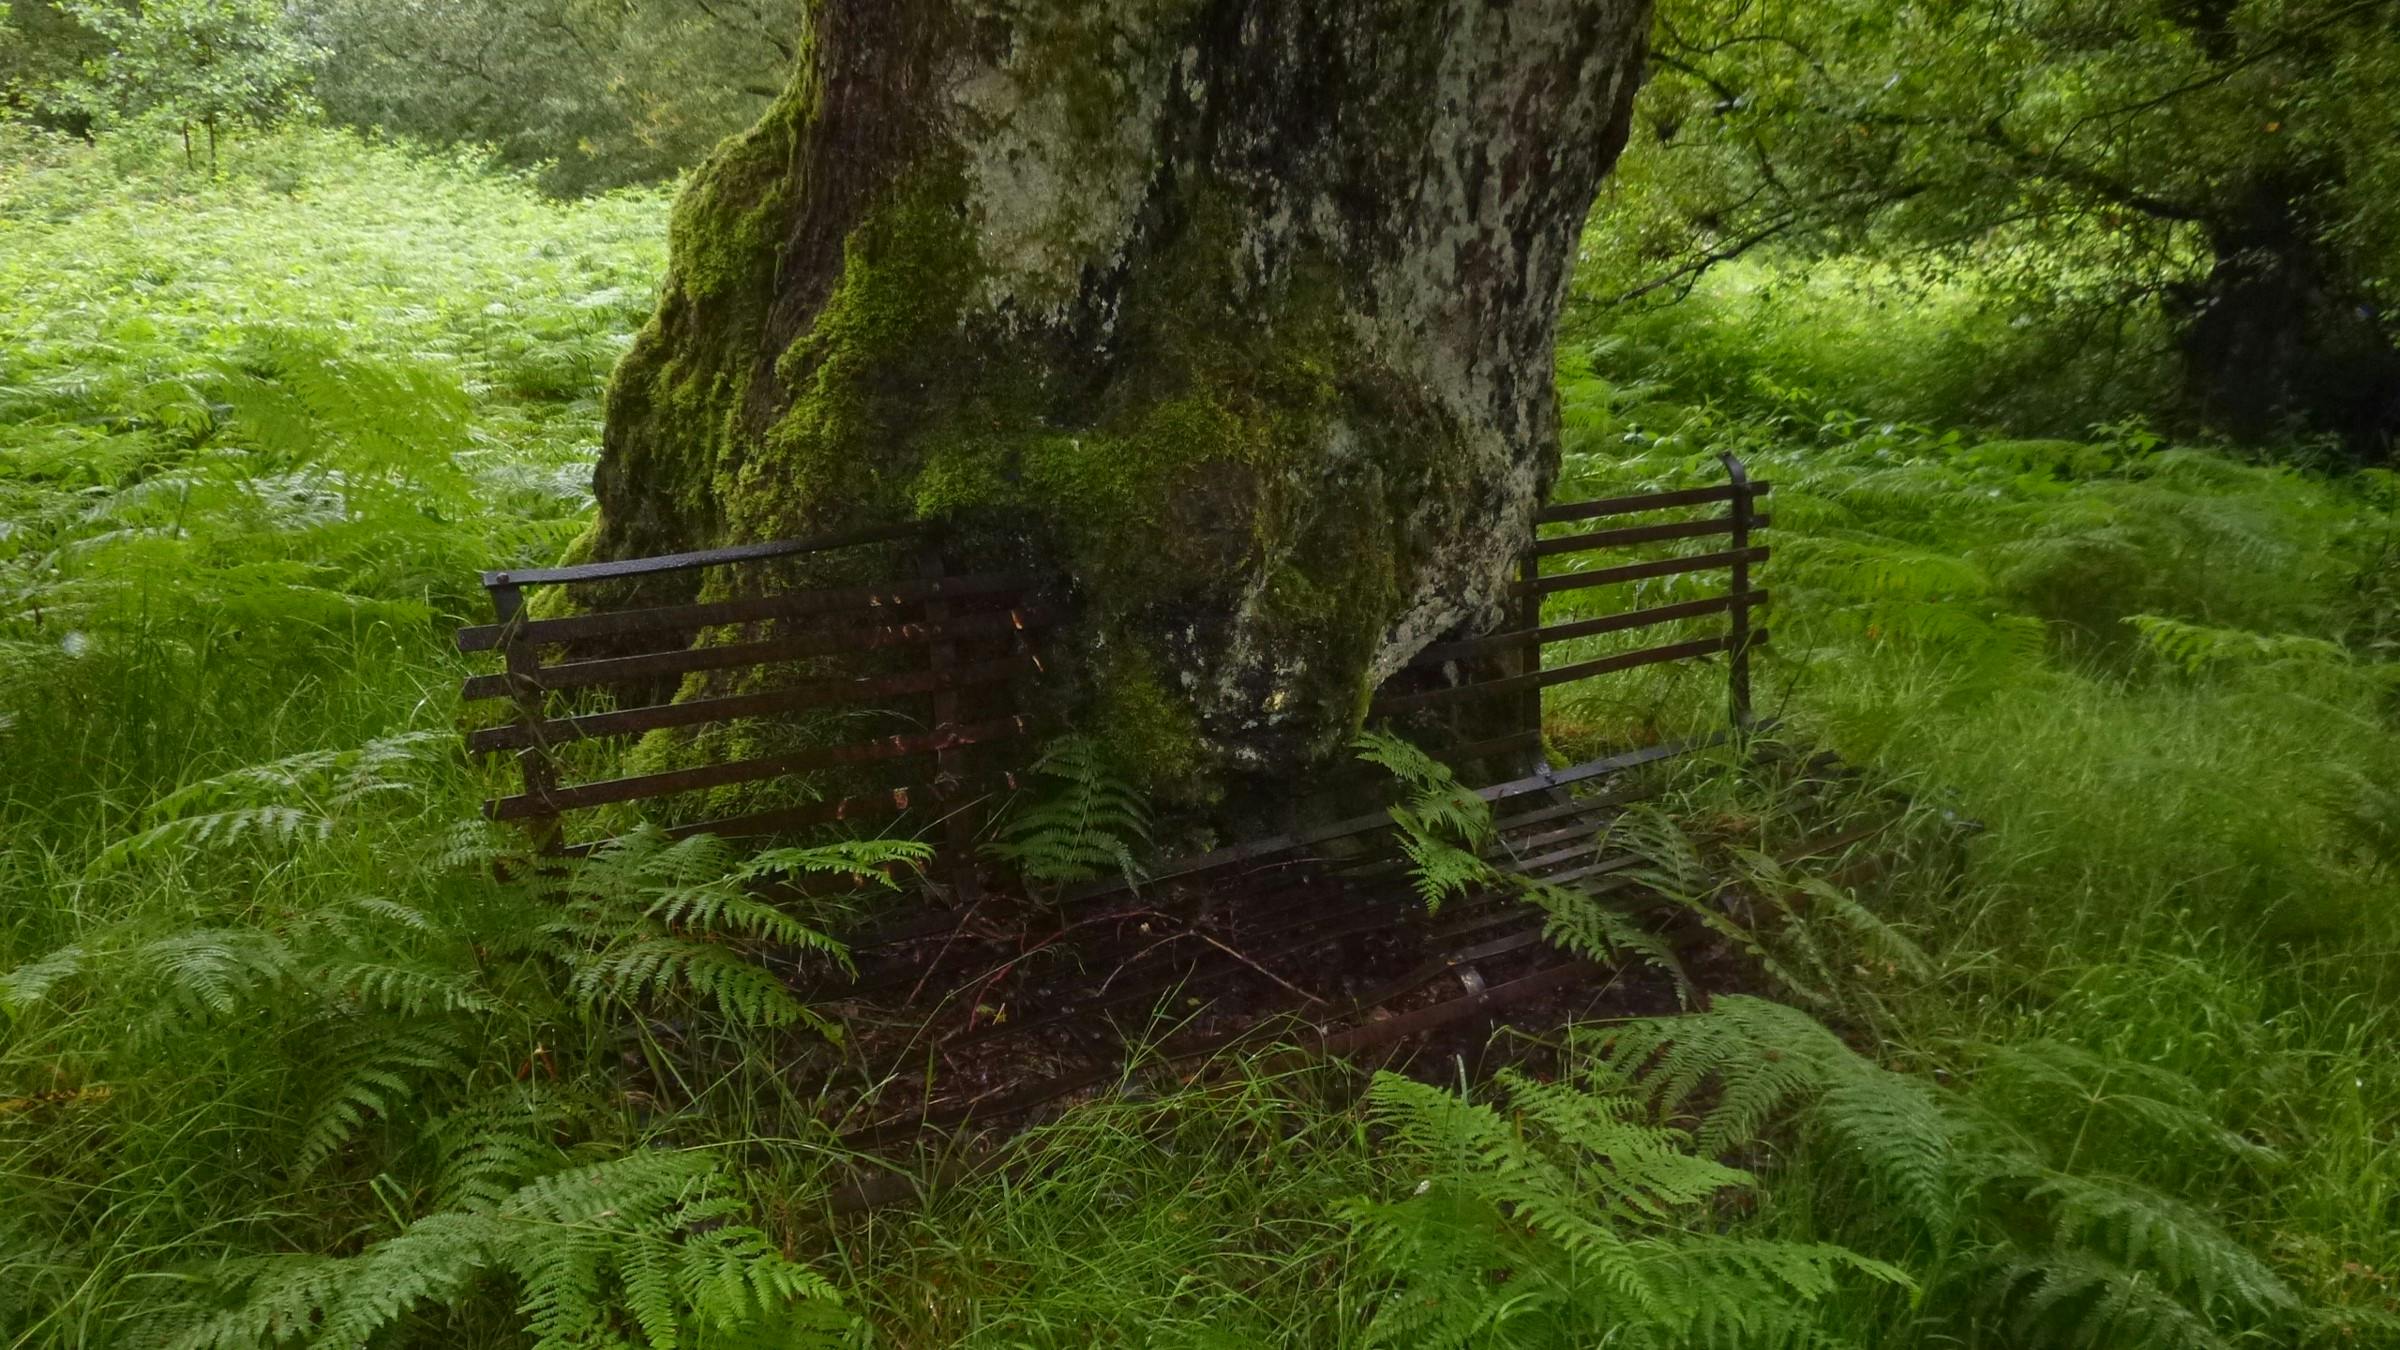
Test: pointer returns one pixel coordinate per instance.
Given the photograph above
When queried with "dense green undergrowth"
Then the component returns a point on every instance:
(284, 1063)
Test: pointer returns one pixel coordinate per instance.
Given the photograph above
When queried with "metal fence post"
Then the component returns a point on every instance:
(950, 762)
(1744, 514)
(524, 660)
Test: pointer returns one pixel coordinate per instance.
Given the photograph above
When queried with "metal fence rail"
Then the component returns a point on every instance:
(1016, 1002)
(936, 654)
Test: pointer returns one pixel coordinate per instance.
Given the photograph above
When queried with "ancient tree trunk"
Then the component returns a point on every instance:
(2275, 338)
(1239, 311)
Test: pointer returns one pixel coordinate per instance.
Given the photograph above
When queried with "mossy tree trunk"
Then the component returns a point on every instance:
(1241, 311)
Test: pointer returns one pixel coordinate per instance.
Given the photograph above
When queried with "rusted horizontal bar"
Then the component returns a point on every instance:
(1446, 652)
(1546, 780)
(711, 557)
(1642, 534)
(814, 694)
(689, 618)
(1505, 906)
(1498, 745)
(1434, 1018)
(1641, 571)
(1599, 868)
(867, 806)
(1544, 839)
(1645, 501)
(1580, 806)
(1543, 679)
(1456, 757)
(1499, 946)
(644, 786)
(1494, 910)
(1581, 848)
(733, 656)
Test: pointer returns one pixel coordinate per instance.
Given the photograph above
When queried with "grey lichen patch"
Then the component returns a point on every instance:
(1061, 152)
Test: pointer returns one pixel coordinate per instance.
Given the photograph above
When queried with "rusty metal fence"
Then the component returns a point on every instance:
(934, 659)
(1001, 1002)
(941, 655)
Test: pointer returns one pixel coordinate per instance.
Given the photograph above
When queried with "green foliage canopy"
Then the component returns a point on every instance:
(599, 92)
(186, 63)
(2224, 163)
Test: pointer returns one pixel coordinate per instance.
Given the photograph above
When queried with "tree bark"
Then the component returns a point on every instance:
(1240, 313)
(2276, 340)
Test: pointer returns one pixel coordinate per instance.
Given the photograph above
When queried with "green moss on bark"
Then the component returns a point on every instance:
(1148, 729)
(1232, 478)
(678, 401)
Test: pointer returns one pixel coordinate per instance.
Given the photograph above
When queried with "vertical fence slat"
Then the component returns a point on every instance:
(1745, 506)
(958, 834)
(524, 662)
(1529, 571)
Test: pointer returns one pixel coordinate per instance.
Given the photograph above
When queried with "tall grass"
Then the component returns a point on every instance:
(259, 430)
(2160, 684)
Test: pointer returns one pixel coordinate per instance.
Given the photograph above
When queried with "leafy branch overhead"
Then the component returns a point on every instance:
(2219, 167)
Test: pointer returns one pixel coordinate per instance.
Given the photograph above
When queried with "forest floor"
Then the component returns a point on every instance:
(283, 1062)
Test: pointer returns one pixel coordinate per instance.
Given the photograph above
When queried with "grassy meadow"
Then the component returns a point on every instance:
(283, 1063)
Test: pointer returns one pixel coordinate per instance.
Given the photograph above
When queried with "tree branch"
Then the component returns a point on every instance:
(758, 27)
(2218, 76)
(1691, 272)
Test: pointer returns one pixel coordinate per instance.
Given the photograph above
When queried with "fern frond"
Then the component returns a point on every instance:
(657, 964)
(29, 984)
(217, 969)
(298, 797)
(2195, 647)
(333, 777)
(2140, 1229)
(647, 1239)
(276, 1301)
(490, 1147)
(1671, 860)
(1591, 927)
(1763, 1060)
(379, 1068)
(1897, 1130)
(1402, 759)
(2055, 1084)
(1086, 825)
(622, 1223)
(1442, 828)
(1439, 869)
(869, 862)
(411, 989)
(216, 829)
(1570, 1219)
(2082, 1299)
(436, 1260)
